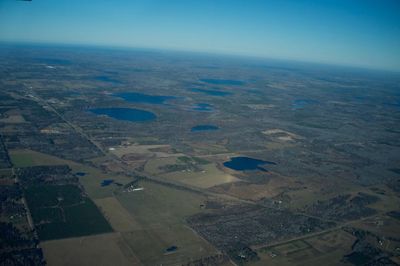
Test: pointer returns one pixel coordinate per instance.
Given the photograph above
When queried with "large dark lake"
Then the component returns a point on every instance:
(223, 81)
(137, 97)
(200, 128)
(242, 163)
(126, 114)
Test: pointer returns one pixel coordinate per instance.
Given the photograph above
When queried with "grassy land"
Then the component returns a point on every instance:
(192, 160)
(193, 171)
(26, 158)
(154, 166)
(159, 200)
(209, 176)
(160, 211)
(119, 218)
(149, 221)
(105, 249)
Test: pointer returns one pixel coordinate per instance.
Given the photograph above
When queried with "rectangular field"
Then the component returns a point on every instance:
(105, 249)
(60, 211)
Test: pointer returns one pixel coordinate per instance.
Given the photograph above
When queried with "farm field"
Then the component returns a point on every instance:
(118, 217)
(161, 212)
(25, 158)
(132, 157)
(60, 211)
(208, 176)
(103, 249)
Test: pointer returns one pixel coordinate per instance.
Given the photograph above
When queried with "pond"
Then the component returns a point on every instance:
(212, 92)
(137, 97)
(125, 114)
(223, 82)
(171, 249)
(242, 163)
(200, 128)
(106, 182)
(80, 174)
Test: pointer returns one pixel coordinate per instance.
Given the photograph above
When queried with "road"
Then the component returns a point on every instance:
(27, 211)
(106, 153)
(303, 237)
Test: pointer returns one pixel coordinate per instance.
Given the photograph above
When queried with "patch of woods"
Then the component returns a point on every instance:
(58, 204)
(365, 250)
(18, 242)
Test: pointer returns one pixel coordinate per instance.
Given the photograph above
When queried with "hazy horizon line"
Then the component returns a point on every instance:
(202, 52)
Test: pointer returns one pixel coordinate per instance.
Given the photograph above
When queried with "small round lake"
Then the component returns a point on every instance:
(125, 114)
(200, 128)
(242, 163)
(106, 182)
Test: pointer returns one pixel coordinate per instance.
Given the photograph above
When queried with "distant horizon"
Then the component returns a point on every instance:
(201, 53)
(358, 33)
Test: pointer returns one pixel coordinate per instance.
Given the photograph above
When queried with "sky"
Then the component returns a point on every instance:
(348, 32)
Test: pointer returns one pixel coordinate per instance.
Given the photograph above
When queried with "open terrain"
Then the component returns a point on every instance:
(117, 157)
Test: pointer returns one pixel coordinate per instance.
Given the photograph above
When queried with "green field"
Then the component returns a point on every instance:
(52, 195)
(26, 158)
(60, 211)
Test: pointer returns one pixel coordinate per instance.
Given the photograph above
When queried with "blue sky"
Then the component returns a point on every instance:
(351, 32)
